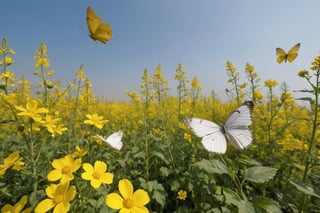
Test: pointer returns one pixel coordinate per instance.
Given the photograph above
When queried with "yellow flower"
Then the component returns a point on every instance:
(270, 83)
(97, 174)
(52, 126)
(79, 153)
(258, 95)
(41, 57)
(182, 195)
(304, 74)
(8, 60)
(59, 197)
(13, 160)
(95, 120)
(17, 208)
(187, 137)
(63, 169)
(133, 202)
(230, 67)
(249, 68)
(31, 110)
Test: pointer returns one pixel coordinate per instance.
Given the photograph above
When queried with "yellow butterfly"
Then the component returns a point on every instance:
(290, 56)
(99, 31)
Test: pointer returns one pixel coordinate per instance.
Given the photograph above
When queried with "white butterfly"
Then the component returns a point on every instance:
(113, 140)
(236, 131)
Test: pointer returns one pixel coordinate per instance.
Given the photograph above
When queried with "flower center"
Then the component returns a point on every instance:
(66, 170)
(128, 203)
(96, 175)
(58, 199)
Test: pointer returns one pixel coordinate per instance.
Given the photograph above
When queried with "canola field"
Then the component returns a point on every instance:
(51, 159)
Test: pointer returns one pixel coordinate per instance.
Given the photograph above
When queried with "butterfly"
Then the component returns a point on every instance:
(114, 140)
(290, 56)
(99, 31)
(235, 130)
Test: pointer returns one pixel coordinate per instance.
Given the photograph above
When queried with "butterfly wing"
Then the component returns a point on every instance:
(212, 136)
(236, 126)
(281, 55)
(93, 21)
(293, 52)
(240, 137)
(242, 116)
(99, 31)
(103, 33)
(114, 140)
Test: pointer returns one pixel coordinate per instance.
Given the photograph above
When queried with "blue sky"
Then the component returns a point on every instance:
(200, 34)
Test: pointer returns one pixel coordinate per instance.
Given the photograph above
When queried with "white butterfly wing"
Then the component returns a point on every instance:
(215, 142)
(236, 126)
(242, 116)
(213, 139)
(240, 138)
(113, 140)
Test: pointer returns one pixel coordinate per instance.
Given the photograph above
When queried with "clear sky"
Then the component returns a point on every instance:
(200, 34)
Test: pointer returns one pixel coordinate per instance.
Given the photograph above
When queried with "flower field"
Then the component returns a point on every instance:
(51, 159)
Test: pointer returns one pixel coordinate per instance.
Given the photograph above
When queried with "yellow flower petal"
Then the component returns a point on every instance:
(44, 206)
(95, 183)
(100, 166)
(106, 178)
(140, 198)
(141, 209)
(114, 201)
(62, 207)
(88, 167)
(54, 175)
(125, 188)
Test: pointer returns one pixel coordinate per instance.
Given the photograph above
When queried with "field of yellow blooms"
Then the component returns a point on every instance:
(51, 159)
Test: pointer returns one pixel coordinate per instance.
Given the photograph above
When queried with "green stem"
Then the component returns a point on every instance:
(312, 139)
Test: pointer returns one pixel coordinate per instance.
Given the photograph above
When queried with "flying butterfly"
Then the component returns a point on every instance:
(114, 140)
(235, 130)
(99, 31)
(290, 56)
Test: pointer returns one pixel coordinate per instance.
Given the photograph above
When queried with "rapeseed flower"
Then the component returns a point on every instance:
(270, 83)
(129, 201)
(304, 74)
(42, 56)
(64, 169)
(17, 208)
(95, 120)
(31, 110)
(97, 174)
(59, 197)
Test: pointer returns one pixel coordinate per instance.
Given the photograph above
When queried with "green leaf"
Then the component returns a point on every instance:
(267, 204)
(233, 198)
(157, 191)
(161, 157)
(259, 174)
(305, 188)
(212, 166)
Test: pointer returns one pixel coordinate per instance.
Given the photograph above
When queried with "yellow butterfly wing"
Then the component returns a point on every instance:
(103, 33)
(293, 52)
(281, 55)
(99, 31)
(290, 56)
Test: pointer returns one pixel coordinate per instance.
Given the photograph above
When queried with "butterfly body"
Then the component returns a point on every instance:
(235, 130)
(99, 31)
(290, 56)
